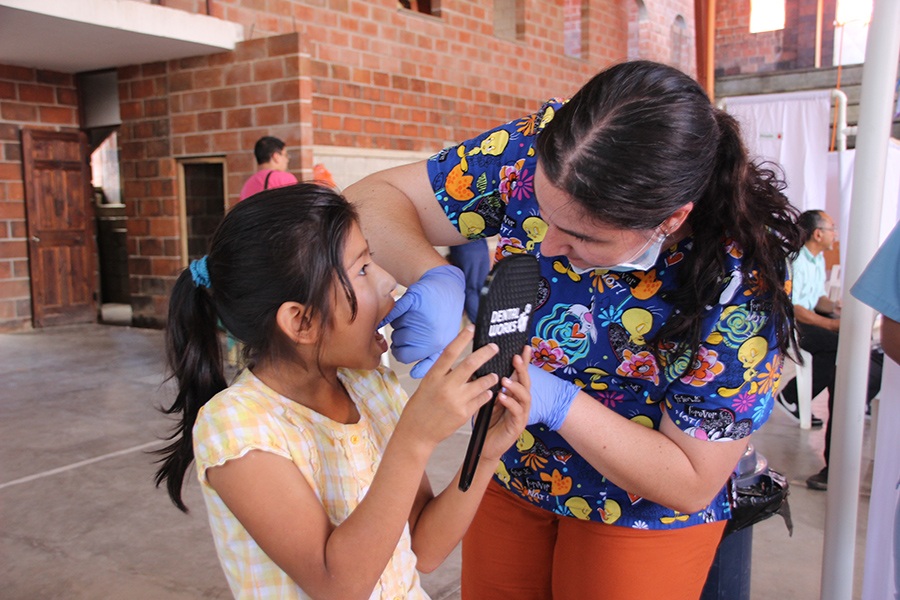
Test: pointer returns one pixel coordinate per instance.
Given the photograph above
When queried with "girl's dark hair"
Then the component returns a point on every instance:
(281, 245)
(641, 140)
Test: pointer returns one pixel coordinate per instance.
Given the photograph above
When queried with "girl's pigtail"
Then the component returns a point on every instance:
(196, 363)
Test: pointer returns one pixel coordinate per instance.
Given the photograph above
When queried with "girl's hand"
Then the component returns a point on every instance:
(448, 396)
(510, 414)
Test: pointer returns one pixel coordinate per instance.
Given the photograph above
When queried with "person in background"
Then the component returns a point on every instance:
(474, 260)
(879, 287)
(818, 321)
(312, 461)
(323, 176)
(272, 161)
(658, 336)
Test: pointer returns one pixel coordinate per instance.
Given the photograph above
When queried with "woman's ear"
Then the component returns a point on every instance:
(296, 324)
(677, 219)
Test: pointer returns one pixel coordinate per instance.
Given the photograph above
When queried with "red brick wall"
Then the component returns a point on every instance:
(389, 78)
(216, 105)
(147, 170)
(395, 79)
(739, 51)
(223, 103)
(357, 73)
(38, 100)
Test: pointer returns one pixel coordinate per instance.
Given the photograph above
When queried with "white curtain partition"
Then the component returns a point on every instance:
(839, 185)
(881, 577)
(792, 130)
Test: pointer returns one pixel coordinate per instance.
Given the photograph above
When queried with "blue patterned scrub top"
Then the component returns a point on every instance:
(592, 329)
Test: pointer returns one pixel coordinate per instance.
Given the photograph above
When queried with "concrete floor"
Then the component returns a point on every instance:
(80, 517)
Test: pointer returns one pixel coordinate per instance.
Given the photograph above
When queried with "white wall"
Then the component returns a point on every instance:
(348, 165)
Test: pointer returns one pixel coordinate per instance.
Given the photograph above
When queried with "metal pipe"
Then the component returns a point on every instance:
(840, 101)
(841, 131)
(820, 9)
(875, 110)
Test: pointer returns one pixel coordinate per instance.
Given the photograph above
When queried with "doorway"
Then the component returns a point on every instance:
(98, 98)
(202, 195)
(60, 220)
(112, 233)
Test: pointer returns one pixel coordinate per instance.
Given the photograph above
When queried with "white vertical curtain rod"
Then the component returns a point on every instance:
(875, 109)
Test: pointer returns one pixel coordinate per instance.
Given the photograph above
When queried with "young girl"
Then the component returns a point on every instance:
(312, 463)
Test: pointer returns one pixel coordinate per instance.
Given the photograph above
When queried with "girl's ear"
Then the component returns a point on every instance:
(296, 324)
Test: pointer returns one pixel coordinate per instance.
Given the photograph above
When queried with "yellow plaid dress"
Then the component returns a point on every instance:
(339, 462)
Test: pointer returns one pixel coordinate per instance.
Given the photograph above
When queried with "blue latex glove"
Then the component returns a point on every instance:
(427, 317)
(551, 398)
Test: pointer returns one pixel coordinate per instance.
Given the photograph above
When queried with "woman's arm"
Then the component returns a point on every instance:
(890, 338)
(667, 466)
(809, 317)
(282, 513)
(403, 221)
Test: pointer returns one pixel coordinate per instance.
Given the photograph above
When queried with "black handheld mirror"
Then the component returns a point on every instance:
(507, 300)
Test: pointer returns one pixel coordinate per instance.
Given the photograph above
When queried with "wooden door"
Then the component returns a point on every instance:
(60, 216)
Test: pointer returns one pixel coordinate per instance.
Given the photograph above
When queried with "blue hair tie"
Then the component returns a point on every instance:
(199, 272)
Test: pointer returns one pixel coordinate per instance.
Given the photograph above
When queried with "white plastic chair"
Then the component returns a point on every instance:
(833, 285)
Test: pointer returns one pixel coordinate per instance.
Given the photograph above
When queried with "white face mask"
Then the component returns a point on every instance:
(645, 259)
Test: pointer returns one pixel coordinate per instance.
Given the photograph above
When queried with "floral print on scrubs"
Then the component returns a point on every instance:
(593, 329)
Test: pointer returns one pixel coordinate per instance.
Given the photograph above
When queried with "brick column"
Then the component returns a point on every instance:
(215, 106)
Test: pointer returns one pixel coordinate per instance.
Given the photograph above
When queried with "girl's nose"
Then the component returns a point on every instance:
(386, 283)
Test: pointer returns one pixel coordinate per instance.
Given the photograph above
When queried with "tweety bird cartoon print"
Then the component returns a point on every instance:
(600, 330)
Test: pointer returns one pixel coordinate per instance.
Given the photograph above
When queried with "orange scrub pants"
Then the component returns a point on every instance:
(514, 550)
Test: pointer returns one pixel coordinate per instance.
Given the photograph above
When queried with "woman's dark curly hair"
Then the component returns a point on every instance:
(641, 140)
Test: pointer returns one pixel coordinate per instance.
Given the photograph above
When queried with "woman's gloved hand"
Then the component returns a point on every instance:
(551, 398)
(427, 317)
